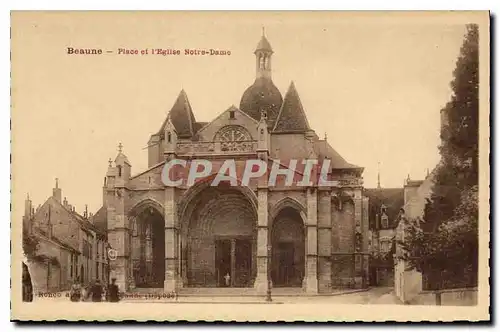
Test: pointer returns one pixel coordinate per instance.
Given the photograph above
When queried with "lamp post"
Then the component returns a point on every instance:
(269, 283)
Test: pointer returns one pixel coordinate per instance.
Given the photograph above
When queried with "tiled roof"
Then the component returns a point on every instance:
(264, 45)
(324, 150)
(100, 219)
(392, 198)
(291, 117)
(182, 117)
(262, 95)
(198, 125)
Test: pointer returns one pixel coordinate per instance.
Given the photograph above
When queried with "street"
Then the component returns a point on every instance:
(378, 295)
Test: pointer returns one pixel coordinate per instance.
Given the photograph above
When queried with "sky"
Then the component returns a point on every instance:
(373, 83)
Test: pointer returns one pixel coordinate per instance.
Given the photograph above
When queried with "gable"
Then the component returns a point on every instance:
(64, 227)
(209, 131)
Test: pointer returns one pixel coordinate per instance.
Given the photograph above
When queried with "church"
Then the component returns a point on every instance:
(311, 239)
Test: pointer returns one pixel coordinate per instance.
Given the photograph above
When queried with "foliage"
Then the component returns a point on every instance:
(444, 244)
(30, 244)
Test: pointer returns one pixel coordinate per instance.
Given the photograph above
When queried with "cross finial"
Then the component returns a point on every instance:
(110, 162)
(263, 31)
(326, 136)
(120, 147)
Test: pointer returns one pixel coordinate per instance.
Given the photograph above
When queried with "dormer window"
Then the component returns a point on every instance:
(169, 137)
(231, 115)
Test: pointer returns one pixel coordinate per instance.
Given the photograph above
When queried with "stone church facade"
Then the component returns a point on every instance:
(310, 238)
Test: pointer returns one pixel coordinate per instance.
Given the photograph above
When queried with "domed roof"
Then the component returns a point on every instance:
(262, 95)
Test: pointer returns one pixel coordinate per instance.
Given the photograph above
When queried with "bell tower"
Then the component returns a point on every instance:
(263, 54)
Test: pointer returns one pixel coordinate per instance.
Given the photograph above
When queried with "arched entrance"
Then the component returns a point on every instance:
(148, 247)
(219, 239)
(288, 248)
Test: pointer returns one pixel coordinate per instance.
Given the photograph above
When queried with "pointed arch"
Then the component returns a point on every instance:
(291, 203)
(140, 206)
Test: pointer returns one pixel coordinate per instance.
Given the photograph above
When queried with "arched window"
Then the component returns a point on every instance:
(119, 170)
(169, 137)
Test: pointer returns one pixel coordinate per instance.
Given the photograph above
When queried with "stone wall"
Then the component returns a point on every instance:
(58, 278)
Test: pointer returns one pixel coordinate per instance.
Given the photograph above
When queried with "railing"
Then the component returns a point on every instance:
(352, 182)
(192, 148)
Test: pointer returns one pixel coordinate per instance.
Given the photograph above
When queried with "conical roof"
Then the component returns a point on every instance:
(264, 45)
(291, 117)
(182, 117)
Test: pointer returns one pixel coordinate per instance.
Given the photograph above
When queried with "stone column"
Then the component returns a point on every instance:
(311, 273)
(324, 241)
(262, 242)
(172, 277)
(148, 248)
(118, 237)
(365, 246)
(358, 239)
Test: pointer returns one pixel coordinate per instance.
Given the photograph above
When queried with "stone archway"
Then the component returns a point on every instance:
(287, 238)
(219, 238)
(148, 245)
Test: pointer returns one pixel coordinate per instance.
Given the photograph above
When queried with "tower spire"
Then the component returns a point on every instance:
(378, 176)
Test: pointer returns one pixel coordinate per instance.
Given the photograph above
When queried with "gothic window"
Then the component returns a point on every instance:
(169, 137)
(119, 171)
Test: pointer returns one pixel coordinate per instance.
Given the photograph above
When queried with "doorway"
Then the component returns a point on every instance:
(288, 249)
(233, 257)
(242, 262)
(222, 261)
(285, 274)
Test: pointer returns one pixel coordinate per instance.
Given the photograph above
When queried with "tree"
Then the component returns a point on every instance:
(444, 244)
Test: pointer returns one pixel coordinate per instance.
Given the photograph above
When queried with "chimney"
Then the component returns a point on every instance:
(28, 213)
(56, 192)
(27, 207)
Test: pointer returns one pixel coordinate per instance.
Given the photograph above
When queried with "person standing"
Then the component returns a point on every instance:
(114, 295)
(227, 279)
(96, 291)
(75, 294)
